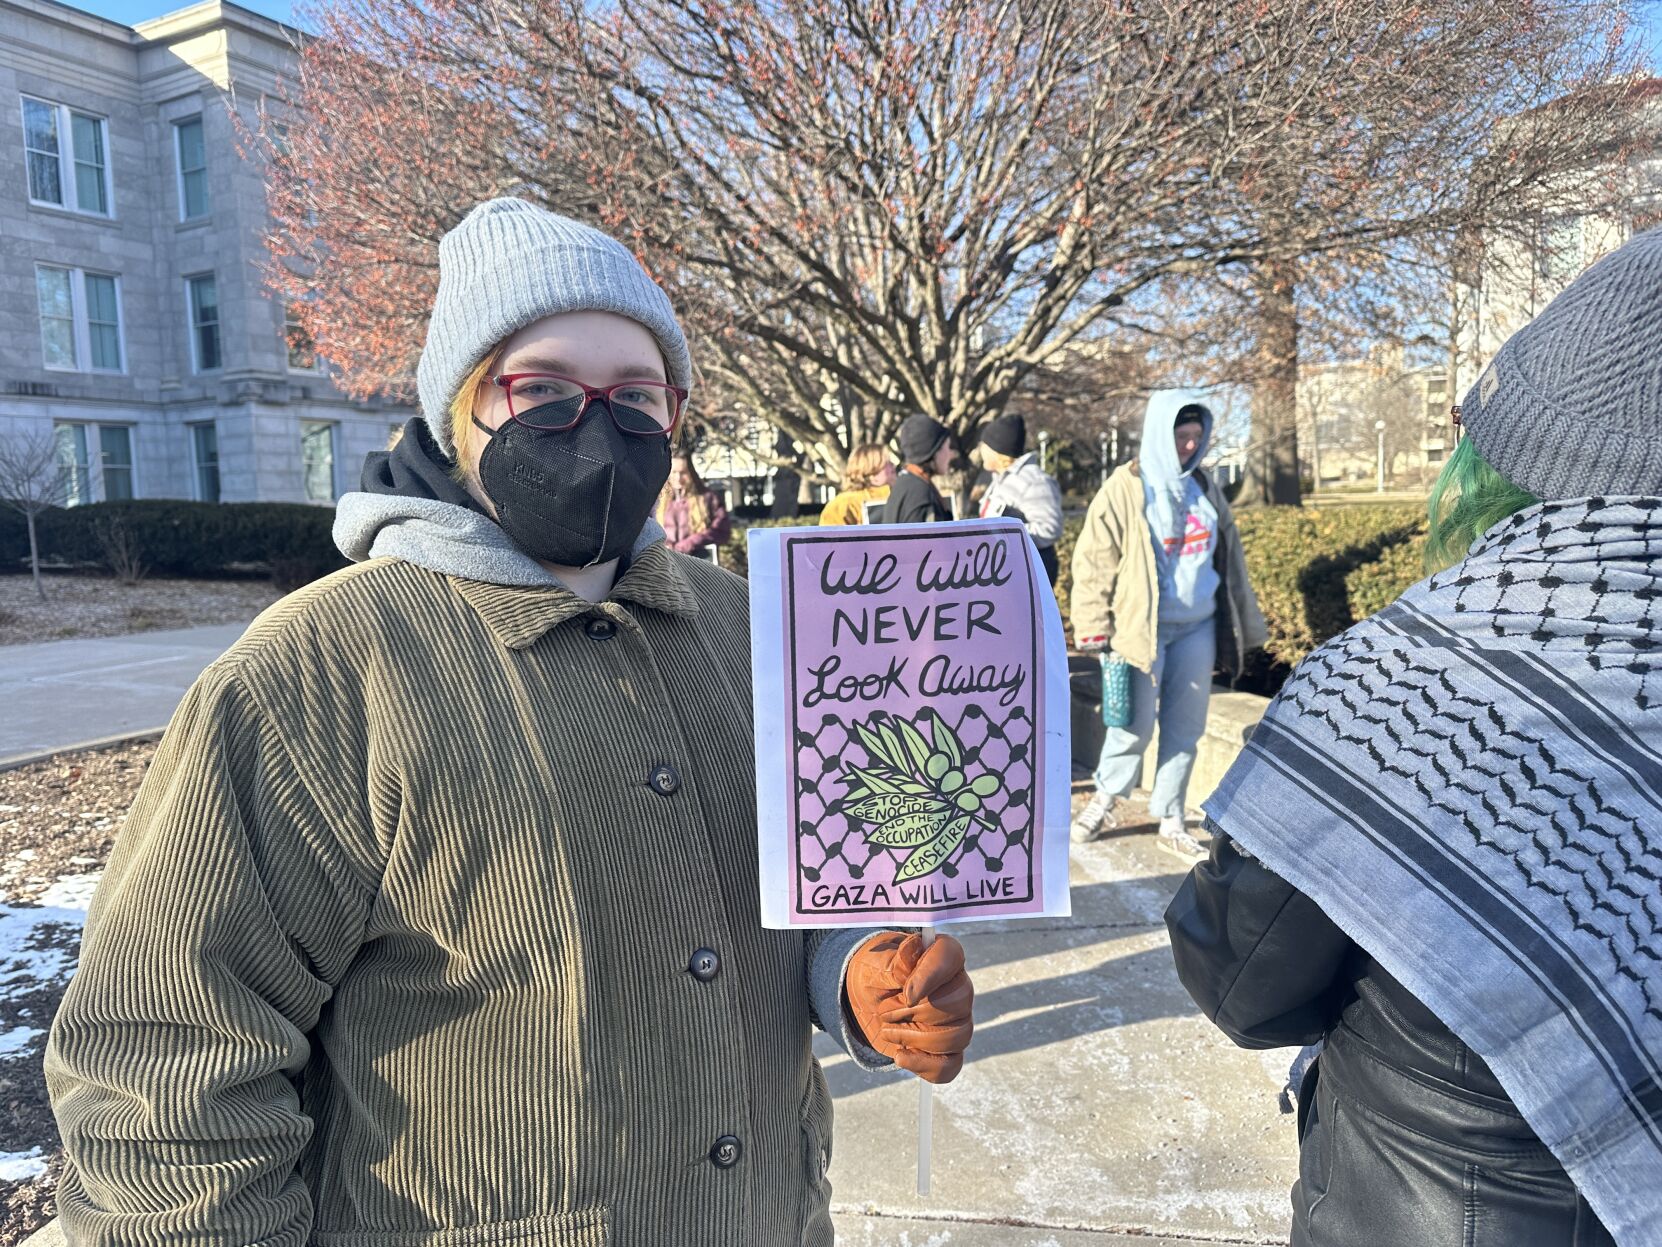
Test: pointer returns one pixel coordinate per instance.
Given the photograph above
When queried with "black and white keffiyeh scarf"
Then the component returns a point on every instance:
(1470, 785)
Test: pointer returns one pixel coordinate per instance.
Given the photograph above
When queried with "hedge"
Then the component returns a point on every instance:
(289, 541)
(1316, 570)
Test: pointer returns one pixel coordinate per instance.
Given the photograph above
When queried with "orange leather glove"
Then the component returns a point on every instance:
(913, 1004)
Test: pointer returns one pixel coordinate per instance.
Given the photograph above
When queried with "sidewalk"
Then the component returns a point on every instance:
(63, 693)
(1098, 1108)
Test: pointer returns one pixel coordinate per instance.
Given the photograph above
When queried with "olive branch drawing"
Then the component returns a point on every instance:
(914, 793)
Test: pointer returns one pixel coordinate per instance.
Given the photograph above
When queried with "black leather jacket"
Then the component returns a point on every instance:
(1406, 1136)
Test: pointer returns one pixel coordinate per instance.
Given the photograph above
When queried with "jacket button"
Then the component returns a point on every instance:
(600, 629)
(665, 782)
(705, 965)
(725, 1154)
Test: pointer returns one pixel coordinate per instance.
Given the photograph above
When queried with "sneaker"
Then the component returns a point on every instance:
(1175, 838)
(1095, 820)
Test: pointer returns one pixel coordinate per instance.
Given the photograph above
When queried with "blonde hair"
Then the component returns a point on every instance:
(462, 428)
(865, 465)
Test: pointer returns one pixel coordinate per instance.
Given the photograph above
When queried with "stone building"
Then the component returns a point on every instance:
(134, 326)
(1343, 403)
(1515, 274)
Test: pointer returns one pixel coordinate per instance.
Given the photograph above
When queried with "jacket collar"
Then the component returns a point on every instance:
(518, 615)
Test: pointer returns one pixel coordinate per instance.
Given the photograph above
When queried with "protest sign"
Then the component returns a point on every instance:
(911, 725)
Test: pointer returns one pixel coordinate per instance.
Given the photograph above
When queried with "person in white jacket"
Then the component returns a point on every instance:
(1020, 488)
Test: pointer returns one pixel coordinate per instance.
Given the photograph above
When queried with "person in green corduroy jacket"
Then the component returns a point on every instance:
(436, 919)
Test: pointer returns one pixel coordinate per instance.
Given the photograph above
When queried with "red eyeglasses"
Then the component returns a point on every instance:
(546, 400)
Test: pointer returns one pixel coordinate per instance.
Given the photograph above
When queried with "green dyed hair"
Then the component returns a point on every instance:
(1469, 499)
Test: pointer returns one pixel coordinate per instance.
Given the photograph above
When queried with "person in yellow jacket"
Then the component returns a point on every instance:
(1159, 580)
(866, 483)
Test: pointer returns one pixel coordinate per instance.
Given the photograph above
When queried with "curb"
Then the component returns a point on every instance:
(102, 742)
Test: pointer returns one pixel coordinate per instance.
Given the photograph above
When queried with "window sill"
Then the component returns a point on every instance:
(73, 214)
(195, 222)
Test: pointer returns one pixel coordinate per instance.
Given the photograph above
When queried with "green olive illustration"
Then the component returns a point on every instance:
(984, 785)
(968, 802)
(952, 781)
(936, 766)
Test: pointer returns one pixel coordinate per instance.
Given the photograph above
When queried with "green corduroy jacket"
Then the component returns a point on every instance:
(398, 944)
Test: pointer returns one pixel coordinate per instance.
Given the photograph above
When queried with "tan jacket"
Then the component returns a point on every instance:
(403, 943)
(1115, 593)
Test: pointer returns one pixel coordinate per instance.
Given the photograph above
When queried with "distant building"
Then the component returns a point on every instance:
(1341, 405)
(135, 327)
(1516, 276)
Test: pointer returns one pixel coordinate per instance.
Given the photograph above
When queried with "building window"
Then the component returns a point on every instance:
(204, 454)
(115, 455)
(204, 322)
(1559, 249)
(114, 478)
(193, 169)
(72, 454)
(67, 154)
(302, 353)
(317, 459)
(80, 319)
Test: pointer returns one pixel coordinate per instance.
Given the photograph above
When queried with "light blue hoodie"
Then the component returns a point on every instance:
(1181, 520)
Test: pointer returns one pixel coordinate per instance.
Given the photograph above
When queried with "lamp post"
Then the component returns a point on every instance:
(1379, 427)
(1044, 450)
(1102, 443)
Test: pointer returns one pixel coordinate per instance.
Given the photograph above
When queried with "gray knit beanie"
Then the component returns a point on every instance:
(509, 263)
(1571, 405)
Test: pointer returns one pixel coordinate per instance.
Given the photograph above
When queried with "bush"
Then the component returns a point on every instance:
(291, 542)
(1316, 570)
(1302, 562)
(735, 555)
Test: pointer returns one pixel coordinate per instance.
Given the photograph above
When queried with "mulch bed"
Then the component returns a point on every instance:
(58, 820)
(89, 606)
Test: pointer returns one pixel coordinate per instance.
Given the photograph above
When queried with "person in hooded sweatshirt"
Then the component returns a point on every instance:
(436, 917)
(1159, 579)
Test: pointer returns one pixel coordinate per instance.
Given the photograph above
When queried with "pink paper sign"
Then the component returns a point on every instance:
(911, 717)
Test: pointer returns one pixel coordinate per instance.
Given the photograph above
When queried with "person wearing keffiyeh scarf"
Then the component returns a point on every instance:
(1440, 854)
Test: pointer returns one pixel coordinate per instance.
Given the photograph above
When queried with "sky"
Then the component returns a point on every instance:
(130, 12)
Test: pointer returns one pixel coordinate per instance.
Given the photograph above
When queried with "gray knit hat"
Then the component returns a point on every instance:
(1571, 405)
(509, 263)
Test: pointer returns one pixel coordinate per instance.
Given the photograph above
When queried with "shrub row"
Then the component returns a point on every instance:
(1316, 570)
(171, 537)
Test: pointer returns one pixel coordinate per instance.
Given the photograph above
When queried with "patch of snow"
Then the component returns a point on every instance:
(71, 892)
(17, 1039)
(37, 942)
(21, 1166)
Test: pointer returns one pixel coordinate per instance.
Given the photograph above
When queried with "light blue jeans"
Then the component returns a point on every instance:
(1176, 694)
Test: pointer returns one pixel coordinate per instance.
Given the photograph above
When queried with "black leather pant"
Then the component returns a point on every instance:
(1394, 1158)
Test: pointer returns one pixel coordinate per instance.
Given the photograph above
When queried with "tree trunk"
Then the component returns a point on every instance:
(1272, 462)
(34, 555)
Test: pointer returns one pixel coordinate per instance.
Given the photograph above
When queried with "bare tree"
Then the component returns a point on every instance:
(1454, 121)
(863, 210)
(33, 478)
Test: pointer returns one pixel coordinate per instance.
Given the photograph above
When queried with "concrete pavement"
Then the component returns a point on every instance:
(1098, 1106)
(1099, 1109)
(59, 694)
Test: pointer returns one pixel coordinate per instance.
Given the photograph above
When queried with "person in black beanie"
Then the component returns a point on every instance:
(1021, 489)
(926, 451)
